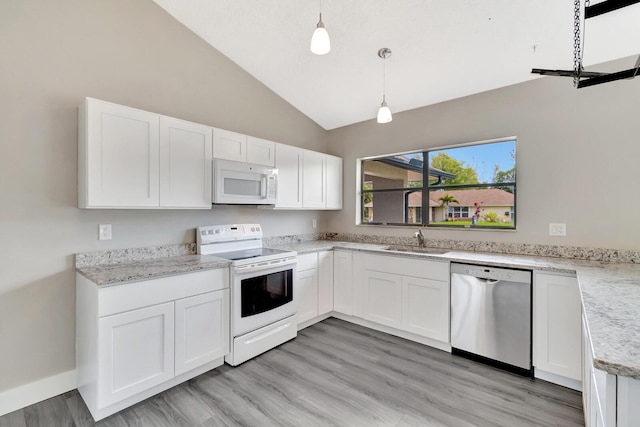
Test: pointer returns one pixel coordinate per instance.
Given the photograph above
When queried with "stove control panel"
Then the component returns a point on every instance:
(215, 234)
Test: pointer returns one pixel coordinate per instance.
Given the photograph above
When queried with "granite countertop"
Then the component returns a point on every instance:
(111, 274)
(610, 295)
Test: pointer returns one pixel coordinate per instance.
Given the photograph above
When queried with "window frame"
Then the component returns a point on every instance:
(427, 187)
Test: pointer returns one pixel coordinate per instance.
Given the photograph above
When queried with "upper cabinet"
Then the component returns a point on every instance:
(234, 146)
(314, 189)
(229, 145)
(261, 151)
(185, 164)
(133, 159)
(289, 165)
(308, 179)
(118, 156)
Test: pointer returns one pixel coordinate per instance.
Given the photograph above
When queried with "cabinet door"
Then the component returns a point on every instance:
(119, 156)
(557, 315)
(382, 302)
(185, 164)
(229, 145)
(334, 182)
(307, 294)
(261, 151)
(425, 307)
(202, 329)
(289, 165)
(325, 282)
(343, 282)
(313, 180)
(136, 352)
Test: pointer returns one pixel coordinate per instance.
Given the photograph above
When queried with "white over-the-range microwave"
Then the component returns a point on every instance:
(236, 183)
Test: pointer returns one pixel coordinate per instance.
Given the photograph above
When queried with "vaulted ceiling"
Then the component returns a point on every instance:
(442, 49)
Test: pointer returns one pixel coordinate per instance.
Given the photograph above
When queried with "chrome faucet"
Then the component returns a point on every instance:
(418, 235)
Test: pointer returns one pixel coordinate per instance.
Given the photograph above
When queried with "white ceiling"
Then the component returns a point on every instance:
(442, 49)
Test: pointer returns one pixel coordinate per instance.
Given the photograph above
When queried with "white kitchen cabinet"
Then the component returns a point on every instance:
(261, 151)
(289, 165)
(425, 307)
(314, 170)
(135, 159)
(201, 330)
(325, 282)
(307, 294)
(185, 164)
(408, 294)
(229, 145)
(137, 339)
(608, 400)
(382, 298)
(118, 156)
(136, 352)
(557, 325)
(333, 182)
(343, 281)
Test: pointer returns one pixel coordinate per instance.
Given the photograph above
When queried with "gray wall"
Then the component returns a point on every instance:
(53, 54)
(578, 157)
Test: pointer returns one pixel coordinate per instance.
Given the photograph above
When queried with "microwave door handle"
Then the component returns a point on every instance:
(263, 187)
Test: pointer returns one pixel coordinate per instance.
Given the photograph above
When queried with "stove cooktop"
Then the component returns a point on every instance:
(249, 253)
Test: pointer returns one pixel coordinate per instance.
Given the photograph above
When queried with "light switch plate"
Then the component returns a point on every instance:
(104, 232)
(314, 223)
(557, 229)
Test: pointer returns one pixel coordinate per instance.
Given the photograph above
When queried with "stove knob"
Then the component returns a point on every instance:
(203, 232)
(253, 229)
(210, 232)
(257, 228)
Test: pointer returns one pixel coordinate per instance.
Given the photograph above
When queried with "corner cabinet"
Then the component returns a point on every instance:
(135, 340)
(134, 159)
(308, 179)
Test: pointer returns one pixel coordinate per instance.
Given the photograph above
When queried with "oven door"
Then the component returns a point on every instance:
(243, 183)
(262, 297)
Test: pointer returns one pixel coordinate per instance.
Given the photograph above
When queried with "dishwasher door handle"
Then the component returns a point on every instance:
(487, 281)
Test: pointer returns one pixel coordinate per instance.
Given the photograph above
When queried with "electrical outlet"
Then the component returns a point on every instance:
(104, 232)
(557, 229)
(314, 222)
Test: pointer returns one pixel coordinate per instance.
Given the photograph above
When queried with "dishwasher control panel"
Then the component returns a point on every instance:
(493, 273)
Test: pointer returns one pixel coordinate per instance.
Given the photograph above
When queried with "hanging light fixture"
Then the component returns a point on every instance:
(384, 113)
(320, 43)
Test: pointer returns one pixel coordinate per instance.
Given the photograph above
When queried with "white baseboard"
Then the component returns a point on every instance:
(37, 391)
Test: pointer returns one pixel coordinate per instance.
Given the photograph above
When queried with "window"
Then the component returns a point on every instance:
(464, 187)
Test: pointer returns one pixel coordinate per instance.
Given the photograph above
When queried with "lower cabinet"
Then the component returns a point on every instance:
(408, 294)
(136, 352)
(137, 339)
(557, 328)
(314, 285)
(425, 307)
(343, 281)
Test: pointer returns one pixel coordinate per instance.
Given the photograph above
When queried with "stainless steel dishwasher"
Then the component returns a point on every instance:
(491, 315)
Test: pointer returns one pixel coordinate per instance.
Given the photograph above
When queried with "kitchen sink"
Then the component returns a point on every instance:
(417, 249)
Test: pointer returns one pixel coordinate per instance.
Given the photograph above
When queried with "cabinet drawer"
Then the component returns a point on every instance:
(307, 261)
(130, 296)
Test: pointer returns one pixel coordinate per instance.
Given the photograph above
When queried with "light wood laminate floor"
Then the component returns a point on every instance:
(336, 374)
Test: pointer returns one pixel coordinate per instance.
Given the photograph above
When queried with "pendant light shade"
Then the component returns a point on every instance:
(384, 112)
(320, 43)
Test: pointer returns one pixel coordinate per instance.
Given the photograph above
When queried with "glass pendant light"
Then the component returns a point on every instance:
(320, 43)
(384, 112)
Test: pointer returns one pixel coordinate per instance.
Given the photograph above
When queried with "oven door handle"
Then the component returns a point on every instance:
(244, 270)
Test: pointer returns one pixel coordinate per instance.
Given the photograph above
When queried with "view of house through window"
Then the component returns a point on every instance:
(464, 186)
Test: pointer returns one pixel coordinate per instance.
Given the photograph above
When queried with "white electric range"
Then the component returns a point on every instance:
(263, 306)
